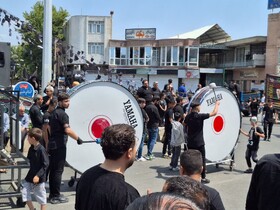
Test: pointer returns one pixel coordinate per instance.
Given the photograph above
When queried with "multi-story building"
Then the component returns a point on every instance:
(87, 38)
(202, 56)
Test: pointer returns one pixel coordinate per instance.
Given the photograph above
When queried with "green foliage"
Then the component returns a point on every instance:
(28, 56)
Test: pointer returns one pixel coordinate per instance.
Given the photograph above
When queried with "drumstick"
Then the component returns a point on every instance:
(213, 86)
(97, 141)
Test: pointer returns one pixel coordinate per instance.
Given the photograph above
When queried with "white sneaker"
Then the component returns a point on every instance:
(141, 159)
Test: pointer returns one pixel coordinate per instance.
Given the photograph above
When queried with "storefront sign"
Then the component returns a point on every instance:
(140, 33)
(272, 89)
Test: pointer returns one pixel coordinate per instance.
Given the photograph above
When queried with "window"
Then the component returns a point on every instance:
(175, 56)
(193, 56)
(96, 27)
(96, 48)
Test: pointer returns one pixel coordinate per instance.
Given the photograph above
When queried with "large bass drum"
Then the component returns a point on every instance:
(93, 107)
(221, 132)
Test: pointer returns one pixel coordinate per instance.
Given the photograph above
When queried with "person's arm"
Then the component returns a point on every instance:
(259, 132)
(244, 133)
(215, 110)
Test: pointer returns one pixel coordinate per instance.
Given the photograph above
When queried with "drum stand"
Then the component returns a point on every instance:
(229, 159)
(73, 179)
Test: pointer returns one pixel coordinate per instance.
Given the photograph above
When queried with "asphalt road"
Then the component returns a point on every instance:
(232, 185)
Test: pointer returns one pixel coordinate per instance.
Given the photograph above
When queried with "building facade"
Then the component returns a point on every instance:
(202, 56)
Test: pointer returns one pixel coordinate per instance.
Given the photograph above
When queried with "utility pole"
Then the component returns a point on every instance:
(47, 45)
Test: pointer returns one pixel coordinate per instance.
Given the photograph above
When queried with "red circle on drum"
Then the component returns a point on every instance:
(98, 126)
(218, 124)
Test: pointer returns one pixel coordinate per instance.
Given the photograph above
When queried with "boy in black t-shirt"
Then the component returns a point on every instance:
(36, 176)
(253, 143)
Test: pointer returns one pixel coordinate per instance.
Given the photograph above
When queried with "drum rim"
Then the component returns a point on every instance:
(74, 90)
(202, 99)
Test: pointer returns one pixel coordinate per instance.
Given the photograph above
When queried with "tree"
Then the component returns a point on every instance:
(32, 35)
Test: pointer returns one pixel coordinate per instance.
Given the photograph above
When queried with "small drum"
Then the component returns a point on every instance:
(221, 132)
(94, 106)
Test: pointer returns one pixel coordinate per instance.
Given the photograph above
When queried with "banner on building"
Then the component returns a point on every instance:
(140, 33)
(272, 89)
(273, 4)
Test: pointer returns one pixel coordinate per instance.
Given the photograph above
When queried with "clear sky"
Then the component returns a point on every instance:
(239, 18)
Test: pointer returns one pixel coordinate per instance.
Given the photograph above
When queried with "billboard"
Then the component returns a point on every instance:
(273, 4)
(140, 33)
(272, 89)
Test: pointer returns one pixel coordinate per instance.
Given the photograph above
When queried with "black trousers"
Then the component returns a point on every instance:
(201, 149)
(267, 125)
(57, 162)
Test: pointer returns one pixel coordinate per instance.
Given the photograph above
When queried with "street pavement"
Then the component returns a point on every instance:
(232, 185)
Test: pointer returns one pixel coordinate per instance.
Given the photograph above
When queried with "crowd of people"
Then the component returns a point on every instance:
(103, 186)
(47, 128)
(169, 110)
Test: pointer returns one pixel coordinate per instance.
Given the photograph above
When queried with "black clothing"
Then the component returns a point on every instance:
(215, 198)
(194, 127)
(268, 121)
(101, 189)
(254, 108)
(167, 130)
(58, 136)
(57, 162)
(269, 111)
(57, 149)
(264, 188)
(153, 114)
(145, 93)
(39, 162)
(145, 120)
(254, 140)
(36, 116)
(179, 108)
(194, 122)
(156, 92)
(45, 107)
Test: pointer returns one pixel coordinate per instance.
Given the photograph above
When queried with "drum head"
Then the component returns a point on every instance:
(93, 107)
(221, 132)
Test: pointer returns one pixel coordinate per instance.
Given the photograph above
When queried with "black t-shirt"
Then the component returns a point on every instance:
(194, 123)
(168, 114)
(264, 190)
(58, 136)
(179, 108)
(216, 202)
(254, 140)
(36, 116)
(268, 113)
(101, 189)
(154, 117)
(254, 107)
(146, 93)
(39, 162)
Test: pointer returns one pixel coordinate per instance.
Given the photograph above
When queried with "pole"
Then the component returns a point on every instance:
(47, 45)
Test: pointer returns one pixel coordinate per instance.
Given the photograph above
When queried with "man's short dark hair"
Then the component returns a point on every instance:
(63, 96)
(141, 100)
(36, 133)
(191, 161)
(179, 99)
(189, 188)
(170, 81)
(116, 140)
